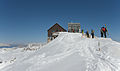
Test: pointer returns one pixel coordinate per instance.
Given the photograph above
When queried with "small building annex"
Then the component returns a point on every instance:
(74, 27)
(54, 31)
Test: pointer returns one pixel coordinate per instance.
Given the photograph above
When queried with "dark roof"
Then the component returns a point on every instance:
(54, 25)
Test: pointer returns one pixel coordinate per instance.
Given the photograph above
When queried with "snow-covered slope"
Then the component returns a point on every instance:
(68, 52)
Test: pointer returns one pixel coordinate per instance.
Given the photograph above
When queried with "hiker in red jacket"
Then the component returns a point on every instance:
(103, 31)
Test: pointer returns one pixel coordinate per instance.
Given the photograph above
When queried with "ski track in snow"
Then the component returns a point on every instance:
(68, 52)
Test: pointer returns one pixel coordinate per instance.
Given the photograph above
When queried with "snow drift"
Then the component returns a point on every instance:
(68, 52)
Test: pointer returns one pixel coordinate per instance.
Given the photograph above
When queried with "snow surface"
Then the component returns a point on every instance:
(68, 52)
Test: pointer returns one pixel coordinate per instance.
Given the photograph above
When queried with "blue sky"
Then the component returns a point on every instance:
(24, 21)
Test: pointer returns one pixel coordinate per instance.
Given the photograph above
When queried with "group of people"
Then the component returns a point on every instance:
(87, 33)
(103, 32)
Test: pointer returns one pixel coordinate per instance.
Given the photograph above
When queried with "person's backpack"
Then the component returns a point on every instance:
(103, 29)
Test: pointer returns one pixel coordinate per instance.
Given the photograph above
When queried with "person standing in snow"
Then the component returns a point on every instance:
(82, 32)
(87, 34)
(92, 33)
(103, 31)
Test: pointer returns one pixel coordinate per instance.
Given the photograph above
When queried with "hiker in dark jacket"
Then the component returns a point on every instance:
(103, 31)
(87, 34)
(92, 33)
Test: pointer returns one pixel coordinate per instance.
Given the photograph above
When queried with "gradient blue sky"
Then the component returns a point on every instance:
(24, 21)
